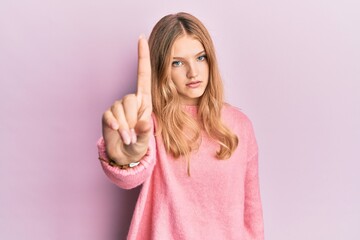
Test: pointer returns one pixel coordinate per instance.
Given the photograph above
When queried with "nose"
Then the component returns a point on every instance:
(192, 71)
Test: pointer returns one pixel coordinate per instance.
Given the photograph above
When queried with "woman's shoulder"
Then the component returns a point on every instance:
(229, 111)
(235, 118)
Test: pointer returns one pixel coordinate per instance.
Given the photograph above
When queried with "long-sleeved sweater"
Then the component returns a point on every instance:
(219, 200)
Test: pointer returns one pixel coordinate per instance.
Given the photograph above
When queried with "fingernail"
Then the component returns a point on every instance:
(133, 136)
(125, 137)
(142, 36)
(114, 126)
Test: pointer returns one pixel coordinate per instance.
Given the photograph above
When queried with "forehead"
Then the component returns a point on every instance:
(186, 46)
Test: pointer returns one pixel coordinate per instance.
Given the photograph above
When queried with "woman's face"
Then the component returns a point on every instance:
(189, 69)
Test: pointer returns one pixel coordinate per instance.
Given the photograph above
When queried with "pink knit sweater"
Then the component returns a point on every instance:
(220, 200)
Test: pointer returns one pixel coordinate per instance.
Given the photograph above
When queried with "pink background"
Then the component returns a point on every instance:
(292, 66)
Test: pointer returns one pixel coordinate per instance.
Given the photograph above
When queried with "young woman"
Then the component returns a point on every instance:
(195, 156)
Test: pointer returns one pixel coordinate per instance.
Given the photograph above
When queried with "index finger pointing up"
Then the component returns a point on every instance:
(144, 67)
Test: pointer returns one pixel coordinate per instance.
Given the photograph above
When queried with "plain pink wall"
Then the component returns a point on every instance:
(292, 66)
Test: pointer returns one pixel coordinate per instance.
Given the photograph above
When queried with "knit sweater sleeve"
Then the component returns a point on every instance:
(253, 216)
(131, 177)
(253, 210)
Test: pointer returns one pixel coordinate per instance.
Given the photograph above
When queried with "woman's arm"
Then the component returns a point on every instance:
(253, 216)
(130, 177)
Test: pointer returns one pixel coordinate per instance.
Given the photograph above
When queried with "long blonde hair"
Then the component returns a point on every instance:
(181, 133)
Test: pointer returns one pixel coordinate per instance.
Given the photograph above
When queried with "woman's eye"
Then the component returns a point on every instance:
(177, 63)
(202, 58)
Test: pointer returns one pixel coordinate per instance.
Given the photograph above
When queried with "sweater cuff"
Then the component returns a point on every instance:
(144, 162)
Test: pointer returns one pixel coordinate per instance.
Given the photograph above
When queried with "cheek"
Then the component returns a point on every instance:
(175, 78)
(177, 75)
(204, 66)
(205, 70)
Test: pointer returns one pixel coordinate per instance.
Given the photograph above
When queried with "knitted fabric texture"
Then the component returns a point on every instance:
(220, 200)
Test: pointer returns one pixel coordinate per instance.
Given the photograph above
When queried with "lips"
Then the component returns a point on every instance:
(193, 84)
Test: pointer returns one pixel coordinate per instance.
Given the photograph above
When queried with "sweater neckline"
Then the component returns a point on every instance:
(191, 106)
(191, 109)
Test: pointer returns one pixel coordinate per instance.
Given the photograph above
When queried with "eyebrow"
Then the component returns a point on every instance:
(199, 53)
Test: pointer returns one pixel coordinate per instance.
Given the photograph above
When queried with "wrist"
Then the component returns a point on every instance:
(115, 164)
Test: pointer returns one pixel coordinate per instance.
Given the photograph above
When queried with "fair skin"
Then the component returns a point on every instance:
(189, 69)
(127, 123)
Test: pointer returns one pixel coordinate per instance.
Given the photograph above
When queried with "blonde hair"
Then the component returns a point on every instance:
(181, 133)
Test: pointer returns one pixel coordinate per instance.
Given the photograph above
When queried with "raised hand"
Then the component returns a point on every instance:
(126, 124)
